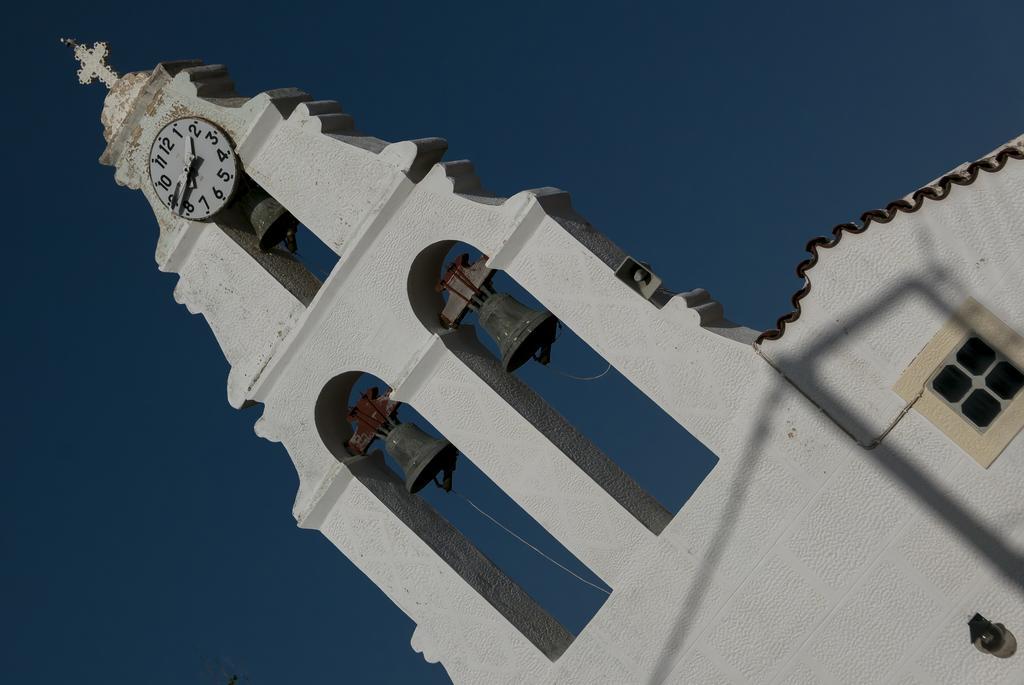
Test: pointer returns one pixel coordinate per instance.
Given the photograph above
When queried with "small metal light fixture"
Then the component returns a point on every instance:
(639, 277)
(991, 638)
(421, 457)
(521, 333)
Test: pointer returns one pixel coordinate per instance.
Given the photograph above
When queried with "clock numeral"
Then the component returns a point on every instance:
(221, 155)
(189, 207)
(166, 145)
(223, 175)
(160, 161)
(218, 193)
(210, 135)
(165, 182)
(202, 198)
(177, 132)
(194, 130)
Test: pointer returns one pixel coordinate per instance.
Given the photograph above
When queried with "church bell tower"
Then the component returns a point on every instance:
(844, 536)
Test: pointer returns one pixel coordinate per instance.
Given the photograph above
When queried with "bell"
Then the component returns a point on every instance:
(520, 332)
(421, 456)
(271, 221)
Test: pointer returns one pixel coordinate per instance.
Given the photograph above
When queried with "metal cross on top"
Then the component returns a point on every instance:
(93, 61)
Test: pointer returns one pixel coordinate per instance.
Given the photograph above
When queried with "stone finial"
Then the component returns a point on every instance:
(93, 61)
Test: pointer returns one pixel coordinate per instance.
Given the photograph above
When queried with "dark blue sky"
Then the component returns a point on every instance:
(147, 532)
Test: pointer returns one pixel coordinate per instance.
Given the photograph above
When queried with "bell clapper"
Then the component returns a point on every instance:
(446, 484)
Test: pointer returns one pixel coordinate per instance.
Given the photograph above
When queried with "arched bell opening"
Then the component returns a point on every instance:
(573, 391)
(440, 516)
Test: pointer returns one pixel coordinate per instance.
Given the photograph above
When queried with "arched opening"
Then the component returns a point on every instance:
(582, 388)
(476, 511)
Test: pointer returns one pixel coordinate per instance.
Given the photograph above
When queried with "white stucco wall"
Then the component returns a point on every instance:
(802, 558)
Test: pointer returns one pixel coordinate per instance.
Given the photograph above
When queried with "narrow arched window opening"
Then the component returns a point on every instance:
(476, 508)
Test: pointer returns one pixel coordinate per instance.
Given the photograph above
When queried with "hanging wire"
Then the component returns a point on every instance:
(582, 378)
(517, 537)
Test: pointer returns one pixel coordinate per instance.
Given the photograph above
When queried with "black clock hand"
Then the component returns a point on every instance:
(185, 180)
(192, 158)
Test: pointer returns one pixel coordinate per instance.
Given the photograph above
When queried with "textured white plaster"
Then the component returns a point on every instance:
(874, 628)
(248, 311)
(802, 673)
(698, 668)
(771, 616)
(847, 522)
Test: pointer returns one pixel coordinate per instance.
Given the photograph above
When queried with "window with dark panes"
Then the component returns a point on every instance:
(978, 382)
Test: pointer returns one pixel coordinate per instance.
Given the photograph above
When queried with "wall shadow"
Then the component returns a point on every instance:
(966, 524)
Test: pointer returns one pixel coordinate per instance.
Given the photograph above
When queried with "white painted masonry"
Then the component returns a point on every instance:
(803, 558)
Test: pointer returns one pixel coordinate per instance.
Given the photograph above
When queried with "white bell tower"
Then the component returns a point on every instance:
(850, 530)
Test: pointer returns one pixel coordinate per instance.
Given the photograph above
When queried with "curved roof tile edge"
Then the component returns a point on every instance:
(937, 190)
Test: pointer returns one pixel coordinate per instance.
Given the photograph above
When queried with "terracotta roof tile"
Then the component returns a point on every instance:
(938, 190)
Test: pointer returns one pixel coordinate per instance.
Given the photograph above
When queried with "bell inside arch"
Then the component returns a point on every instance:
(272, 222)
(520, 332)
(421, 457)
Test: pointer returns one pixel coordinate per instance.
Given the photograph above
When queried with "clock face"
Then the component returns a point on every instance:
(193, 168)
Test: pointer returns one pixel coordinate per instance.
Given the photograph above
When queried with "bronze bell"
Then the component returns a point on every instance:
(421, 457)
(271, 221)
(520, 332)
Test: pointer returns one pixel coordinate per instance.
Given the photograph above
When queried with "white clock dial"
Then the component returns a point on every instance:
(193, 168)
